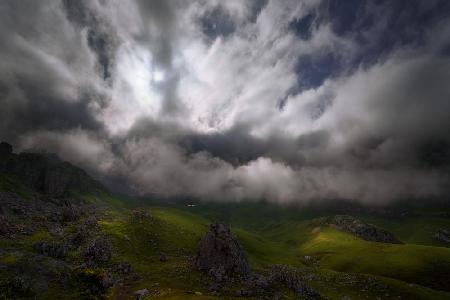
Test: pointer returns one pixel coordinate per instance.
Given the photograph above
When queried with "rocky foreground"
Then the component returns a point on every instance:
(222, 258)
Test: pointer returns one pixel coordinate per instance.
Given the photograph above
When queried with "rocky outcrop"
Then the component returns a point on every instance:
(5, 148)
(443, 236)
(220, 254)
(360, 229)
(45, 173)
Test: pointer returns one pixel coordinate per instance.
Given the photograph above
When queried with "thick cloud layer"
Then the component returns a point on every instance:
(288, 101)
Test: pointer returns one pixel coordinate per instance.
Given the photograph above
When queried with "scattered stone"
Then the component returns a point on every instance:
(94, 281)
(361, 229)
(140, 294)
(51, 249)
(443, 236)
(90, 222)
(215, 287)
(79, 237)
(141, 214)
(107, 280)
(56, 230)
(18, 287)
(259, 282)
(9, 229)
(163, 258)
(124, 268)
(220, 254)
(289, 277)
(98, 251)
(70, 213)
(245, 293)
(126, 238)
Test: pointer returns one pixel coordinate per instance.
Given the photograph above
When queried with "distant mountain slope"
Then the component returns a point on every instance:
(46, 173)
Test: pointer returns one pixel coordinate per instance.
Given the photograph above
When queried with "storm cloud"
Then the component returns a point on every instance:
(286, 101)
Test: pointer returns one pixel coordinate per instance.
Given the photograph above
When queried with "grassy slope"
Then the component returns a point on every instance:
(269, 236)
(420, 264)
(176, 233)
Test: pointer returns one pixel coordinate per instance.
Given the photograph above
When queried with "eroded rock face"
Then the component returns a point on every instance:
(46, 173)
(361, 229)
(5, 148)
(220, 254)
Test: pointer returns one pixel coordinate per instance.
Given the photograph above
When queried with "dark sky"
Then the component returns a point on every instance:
(288, 101)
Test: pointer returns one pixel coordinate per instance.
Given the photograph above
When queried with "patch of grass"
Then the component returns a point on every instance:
(8, 259)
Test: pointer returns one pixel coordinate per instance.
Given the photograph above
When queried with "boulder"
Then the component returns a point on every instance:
(220, 254)
(443, 236)
(163, 258)
(259, 282)
(124, 267)
(51, 249)
(98, 251)
(140, 294)
(140, 214)
(71, 213)
(288, 277)
(80, 236)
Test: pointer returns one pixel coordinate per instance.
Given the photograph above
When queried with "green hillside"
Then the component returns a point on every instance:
(45, 242)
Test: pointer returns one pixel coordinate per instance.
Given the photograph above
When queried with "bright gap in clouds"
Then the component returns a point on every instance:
(158, 76)
(134, 92)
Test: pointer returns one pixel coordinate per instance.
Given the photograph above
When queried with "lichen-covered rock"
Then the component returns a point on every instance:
(79, 237)
(220, 254)
(123, 268)
(288, 277)
(361, 229)
(51, 249)
(98, 251)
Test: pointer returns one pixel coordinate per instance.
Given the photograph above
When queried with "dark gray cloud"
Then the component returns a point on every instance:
(237, 100)
(47, 79)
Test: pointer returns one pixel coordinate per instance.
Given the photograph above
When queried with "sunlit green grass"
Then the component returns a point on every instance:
(340, 251)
